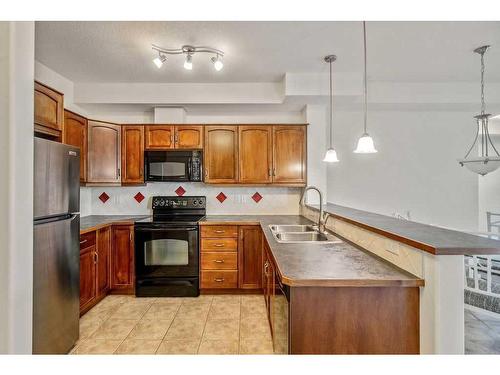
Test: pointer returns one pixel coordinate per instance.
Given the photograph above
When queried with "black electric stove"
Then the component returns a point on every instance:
(167, 255)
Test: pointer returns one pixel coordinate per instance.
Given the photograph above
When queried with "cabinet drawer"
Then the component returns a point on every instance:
(219, 279)
(219, 261)
(219, 244)
(87, 240)
(219, 231)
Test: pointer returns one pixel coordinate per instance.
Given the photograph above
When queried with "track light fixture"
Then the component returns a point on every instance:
(188, 51)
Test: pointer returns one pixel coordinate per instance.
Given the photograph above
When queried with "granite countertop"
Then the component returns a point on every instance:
(93, 222)
(334, 264)
(435, 240)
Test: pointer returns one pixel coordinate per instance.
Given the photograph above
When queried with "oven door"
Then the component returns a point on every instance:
(168, 166)
(166, 252)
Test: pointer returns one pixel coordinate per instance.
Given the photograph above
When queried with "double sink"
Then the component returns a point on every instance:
(301, 234)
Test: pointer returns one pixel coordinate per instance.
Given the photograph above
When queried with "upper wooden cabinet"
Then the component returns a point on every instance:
(221, 154)
(255, 154)
(49, 111)
(289, 154)
(165, 137)
(75, 134)
(132, 154)
(104, 157)
(159, 137)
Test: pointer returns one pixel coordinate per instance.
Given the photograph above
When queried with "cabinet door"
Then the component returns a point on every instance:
(159, 137)
(188, 136)
(221, 154)
(103, 258)
(49, 108)
(87, 277)
(75, 134)
(122, 257)
(250, 257)
(132, 154)
(104, 152)
(289, 154)
(255, 154)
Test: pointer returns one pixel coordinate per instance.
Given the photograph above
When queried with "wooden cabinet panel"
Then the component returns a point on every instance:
(221, 279)
(219, 244)
(75, 134)
(87, 277)
(219, 231)
(221, 154)
(104, 158)
(268, 284)
(255, 154)
(189, 136)
(49, 109)
(122, 257)
(289, 154)
(219, 261)
(103, 260)
(250, 257)
(159, 137)
(132, 154)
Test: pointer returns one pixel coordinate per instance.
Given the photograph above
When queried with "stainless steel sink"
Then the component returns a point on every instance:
(301, 234)
(291, 228)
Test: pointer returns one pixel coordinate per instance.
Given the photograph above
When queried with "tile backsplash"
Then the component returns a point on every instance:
(239, 200)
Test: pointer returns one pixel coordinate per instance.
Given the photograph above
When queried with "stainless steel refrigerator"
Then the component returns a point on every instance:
(56, 252)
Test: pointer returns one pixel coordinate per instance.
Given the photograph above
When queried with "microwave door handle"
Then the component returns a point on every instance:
(190, 167)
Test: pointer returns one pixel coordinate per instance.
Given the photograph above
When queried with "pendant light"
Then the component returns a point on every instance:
(485, 163)
(331, 154)
(365, 142)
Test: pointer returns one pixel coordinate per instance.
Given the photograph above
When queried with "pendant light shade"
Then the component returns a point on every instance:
(331, 156)
(365, 145)
(365, 142)
(485, 163)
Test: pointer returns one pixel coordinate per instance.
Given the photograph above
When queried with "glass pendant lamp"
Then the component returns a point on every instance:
(331, 154)
(365, 142)
(486, 163)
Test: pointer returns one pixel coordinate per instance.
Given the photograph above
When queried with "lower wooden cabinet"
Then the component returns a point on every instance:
(103, 260)
(87, 277)
(268, 279)
(122, 258)
(250, 257)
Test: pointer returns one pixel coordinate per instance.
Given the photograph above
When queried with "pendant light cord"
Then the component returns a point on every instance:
(364, 80)
(331, 106)
(483, 106)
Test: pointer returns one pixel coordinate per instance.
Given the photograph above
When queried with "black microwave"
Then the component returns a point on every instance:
(173, 166)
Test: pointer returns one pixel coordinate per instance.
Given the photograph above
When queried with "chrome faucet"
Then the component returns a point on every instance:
(303, 197)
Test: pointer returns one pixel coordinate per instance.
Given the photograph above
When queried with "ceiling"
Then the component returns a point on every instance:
(265, 51)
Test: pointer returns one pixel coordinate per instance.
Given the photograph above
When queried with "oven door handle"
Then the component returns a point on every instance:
(188, 229)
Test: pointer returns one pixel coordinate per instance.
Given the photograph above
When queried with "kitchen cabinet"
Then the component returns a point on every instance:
(250, 257)
(269, 275)
(87, 270)
(289, 154)
(159, 137)
(103, 252)
(49, 111)
(132, 151)
(189, 136)
(75, 134)
(255, 154)
(221, 154)
(104, 156)
(122, 258)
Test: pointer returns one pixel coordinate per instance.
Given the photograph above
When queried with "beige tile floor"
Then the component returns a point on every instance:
(221, 324)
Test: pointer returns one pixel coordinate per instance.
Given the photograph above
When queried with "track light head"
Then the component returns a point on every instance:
(188, 64)
(218, 64)
(158, 61)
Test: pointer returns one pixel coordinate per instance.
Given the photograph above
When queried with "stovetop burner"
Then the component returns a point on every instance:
(176, 210)
(171, 219)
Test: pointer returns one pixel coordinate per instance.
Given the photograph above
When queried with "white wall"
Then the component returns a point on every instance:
(415, 169)
(489, 193)
(16, 186)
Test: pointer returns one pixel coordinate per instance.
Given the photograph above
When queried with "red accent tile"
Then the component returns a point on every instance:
(221, 197)
(104, 197)
(257, 197)
(139, 197)
(180, 191)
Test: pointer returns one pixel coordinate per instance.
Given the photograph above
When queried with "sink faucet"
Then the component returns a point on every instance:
(303, 197)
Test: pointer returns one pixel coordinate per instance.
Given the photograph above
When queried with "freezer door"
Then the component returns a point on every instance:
(56, 290)
(56, 179)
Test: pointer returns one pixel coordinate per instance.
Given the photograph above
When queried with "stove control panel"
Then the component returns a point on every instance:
(172, 203)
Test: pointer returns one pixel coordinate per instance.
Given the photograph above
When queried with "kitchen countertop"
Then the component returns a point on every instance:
(94, 222)
(316, 264)
(432, 239)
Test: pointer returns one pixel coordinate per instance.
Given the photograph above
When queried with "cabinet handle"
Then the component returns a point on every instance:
(219, 231)
(176, 137)
(219, 260)
(206, 172)
(274, 171)
(219, 245)
(118, 172)
(82, 242)
(95, 257)
(130, 236)
(171, 138)
(270, 172)
(219, 280)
